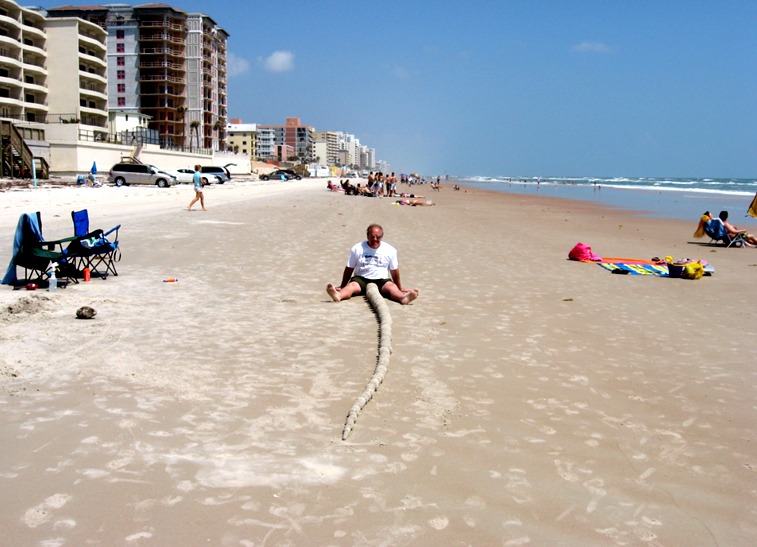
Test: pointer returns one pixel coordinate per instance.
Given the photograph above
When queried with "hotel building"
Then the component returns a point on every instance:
(167, 64)
(23, 64)
(77, 65)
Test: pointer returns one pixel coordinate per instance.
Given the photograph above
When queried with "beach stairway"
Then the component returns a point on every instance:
(16, 158)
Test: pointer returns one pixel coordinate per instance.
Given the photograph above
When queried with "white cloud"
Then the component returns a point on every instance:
(591, 47)
(237, 65)
(279, 61)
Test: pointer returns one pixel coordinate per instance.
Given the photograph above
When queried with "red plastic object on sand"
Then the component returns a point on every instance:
(87, 274)
(170, 280)
(31, 287)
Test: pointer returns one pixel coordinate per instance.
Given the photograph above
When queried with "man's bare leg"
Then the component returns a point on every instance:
(345, 293)
(394, 293)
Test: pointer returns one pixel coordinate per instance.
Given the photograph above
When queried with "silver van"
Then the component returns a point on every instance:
(137, 173)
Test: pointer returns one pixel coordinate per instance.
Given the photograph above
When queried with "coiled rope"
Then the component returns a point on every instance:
(377, 302)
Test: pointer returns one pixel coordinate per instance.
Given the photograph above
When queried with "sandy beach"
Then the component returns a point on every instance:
(529, 399)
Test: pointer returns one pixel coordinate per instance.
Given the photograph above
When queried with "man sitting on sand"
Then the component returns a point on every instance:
(372, 261)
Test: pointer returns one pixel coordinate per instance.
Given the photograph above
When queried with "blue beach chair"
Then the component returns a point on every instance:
(35, 255)
(97, 250)
(716, 231)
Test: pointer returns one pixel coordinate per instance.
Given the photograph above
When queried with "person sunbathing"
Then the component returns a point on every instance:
(734, 231)
(415, 202)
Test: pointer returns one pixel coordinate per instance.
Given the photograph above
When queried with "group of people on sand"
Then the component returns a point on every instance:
(404, 198)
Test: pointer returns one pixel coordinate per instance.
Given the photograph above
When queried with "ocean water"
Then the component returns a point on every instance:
(680, 198)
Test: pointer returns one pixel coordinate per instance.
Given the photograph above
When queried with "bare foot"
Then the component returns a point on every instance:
(409, 297)
(333, 292)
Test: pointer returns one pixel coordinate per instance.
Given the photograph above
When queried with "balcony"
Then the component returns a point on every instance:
(10, 21)
(87, 91)
(31, 67)
(34, 49)
(171, 52)
(38, 107)
(162, 25)
(30, 29)
(93, 42)
(163, 37)
(35, 87)
(177, 67)
(92, 59)
(11, 43)
(93, 111)
(92, 76)
(10, 101)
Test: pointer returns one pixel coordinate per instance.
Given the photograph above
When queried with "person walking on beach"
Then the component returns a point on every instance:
(372, 261)
(197, 181)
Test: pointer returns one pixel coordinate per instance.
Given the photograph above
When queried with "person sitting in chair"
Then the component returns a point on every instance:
(734, 231)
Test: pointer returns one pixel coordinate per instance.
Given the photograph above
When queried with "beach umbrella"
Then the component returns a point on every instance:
(752, 211)
(94, 168)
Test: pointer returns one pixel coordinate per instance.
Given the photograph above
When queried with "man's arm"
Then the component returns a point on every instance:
(396, 278)
(346, 276)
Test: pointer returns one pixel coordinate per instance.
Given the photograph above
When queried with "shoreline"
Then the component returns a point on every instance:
(650, 203)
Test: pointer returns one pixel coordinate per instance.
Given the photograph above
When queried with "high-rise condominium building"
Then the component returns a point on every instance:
(77, 68)
(167, 64)
(23, 63)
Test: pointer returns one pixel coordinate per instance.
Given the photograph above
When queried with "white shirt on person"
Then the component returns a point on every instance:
(372, 263)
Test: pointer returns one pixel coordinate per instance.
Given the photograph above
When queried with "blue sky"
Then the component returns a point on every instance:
(602, 88)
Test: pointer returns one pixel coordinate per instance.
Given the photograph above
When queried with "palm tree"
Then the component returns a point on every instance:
(194, 126)
(218, 126)
(180, 113)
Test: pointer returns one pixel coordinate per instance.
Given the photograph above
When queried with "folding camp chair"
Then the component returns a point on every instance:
(97, 250)
(715, 229)
(35, 255)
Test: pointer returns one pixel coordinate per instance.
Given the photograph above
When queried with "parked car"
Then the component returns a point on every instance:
(187, 176)
(139, 173)
(221, 173)
(351, 176)
(281, 174)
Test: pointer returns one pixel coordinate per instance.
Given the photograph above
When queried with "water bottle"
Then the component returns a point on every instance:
(53, 283)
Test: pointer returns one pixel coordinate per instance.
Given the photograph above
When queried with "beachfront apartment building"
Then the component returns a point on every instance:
(23, 64)
(77, 70)
(265, 142)
(167, 64)
(242, 137)
(327, 153)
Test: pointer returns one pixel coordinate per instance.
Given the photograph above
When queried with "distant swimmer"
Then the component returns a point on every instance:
(372, 261)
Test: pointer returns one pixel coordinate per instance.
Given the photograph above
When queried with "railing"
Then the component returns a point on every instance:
(18, 144)
(38, 117)
(161, 78)
(161, 64)
(161, 51)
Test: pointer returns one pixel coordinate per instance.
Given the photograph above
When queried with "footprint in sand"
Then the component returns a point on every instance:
(40, 514)
(438, 523)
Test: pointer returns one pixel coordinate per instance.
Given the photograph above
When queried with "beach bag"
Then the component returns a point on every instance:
(692, 270)
(583, 253)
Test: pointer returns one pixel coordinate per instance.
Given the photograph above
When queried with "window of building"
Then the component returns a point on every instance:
(122, 101)
(120, 47)
(120, 61)
(122, 88)
(121, 74)
(120, 34)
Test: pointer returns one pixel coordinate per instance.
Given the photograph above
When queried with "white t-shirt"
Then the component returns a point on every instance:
(372, 263)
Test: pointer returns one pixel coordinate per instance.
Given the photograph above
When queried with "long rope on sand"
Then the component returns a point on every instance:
(381, 310)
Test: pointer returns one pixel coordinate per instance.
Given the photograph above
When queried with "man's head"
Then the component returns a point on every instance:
(374, 233)
(197, 167)
(723, 215)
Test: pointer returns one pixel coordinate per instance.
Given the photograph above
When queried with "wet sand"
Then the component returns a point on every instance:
(528, 399)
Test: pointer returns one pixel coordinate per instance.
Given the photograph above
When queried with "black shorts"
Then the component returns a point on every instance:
(363, 282)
